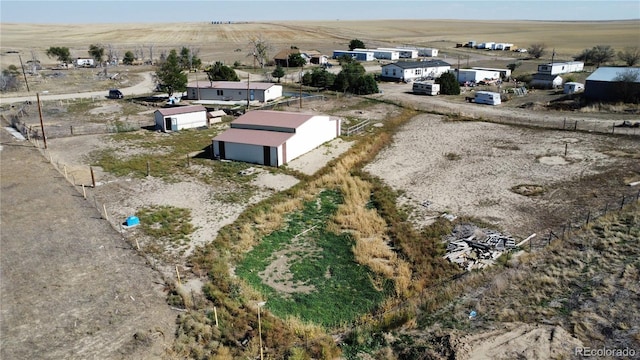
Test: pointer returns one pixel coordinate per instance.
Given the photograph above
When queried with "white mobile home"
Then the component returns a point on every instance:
(504, 73)
(427, 88)
(233, 91)
(428, 52)
(274, 138)
(404, 53)
(357, 55)
(181, 117)
(560, 67)
(412, 70)
(487, 97)
(382, 54)
(475, 75)
(486, 45)
(572, 87)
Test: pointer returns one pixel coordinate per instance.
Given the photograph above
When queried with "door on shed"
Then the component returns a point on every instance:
(221, 150)
(266, 155)
(167, 123)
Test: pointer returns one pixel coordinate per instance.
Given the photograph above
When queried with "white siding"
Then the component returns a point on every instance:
(313, 133)
(241, 152)
(475, 75)
(182, 121)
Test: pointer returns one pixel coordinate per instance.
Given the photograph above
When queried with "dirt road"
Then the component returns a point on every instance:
(70, 287)
(144, 87)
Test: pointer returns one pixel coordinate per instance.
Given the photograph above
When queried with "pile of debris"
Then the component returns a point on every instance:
(475, 248)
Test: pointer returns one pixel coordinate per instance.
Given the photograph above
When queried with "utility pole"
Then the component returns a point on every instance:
(248, 89)
(44, 137)
(301, 70)
(23, 73)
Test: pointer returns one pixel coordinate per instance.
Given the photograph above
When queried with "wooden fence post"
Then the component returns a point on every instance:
(622, 202)
(93, 178)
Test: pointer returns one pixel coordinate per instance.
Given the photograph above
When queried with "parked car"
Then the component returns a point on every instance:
(115, 94)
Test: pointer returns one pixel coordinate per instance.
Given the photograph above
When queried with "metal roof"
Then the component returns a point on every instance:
(181, 110)
(232, 85)
(282, 119)
(610, 73)
(419, 64)
(254, 137)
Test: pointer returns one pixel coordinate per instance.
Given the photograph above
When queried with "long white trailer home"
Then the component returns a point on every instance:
(383, 54)
(404, 53)
(560, 67)
(475, 75)
(428, 52)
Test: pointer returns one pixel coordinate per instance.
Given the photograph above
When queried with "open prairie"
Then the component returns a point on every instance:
(230, 42)
(437, 152)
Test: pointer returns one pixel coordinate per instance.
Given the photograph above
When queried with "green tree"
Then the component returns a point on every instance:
(221, 72)
(448, 84)
(630, 56)
(348, 78)
(365, 85)
(128, 58)
(356, 44)
(278, 72)
(97, 53)
(170, 76)
(536, 50)
(319, 78)
(296, 60)
(189, 59)
(60, 53)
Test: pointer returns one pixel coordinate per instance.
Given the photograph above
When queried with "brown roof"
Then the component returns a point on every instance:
(281, 119)
(233, 85)
(181, 110)
(284, 54)
(254, 137)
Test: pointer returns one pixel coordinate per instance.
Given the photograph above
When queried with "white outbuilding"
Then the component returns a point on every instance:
(572, 87)
(181, 117)
(274, 138)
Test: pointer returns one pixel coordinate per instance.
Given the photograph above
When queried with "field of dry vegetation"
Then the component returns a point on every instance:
(217, 231)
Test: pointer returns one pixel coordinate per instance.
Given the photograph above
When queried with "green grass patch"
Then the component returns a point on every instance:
(341, 289)
(166, 223)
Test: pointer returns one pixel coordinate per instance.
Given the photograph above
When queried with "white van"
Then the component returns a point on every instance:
(487, 97)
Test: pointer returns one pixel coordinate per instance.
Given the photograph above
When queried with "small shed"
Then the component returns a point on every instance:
(546, 81)
(216, 116)
(181, 117)
(572, 87)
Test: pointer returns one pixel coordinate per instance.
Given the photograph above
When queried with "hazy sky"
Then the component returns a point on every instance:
(118, 11)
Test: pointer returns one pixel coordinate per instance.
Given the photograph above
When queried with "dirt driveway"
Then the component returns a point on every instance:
(70, 287)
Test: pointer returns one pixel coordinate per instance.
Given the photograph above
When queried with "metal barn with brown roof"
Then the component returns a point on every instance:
(274, 138)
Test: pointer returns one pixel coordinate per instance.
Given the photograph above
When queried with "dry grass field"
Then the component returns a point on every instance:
(230, 42)
(429, 149)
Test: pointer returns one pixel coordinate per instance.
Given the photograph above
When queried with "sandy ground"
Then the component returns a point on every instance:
(70, 287)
